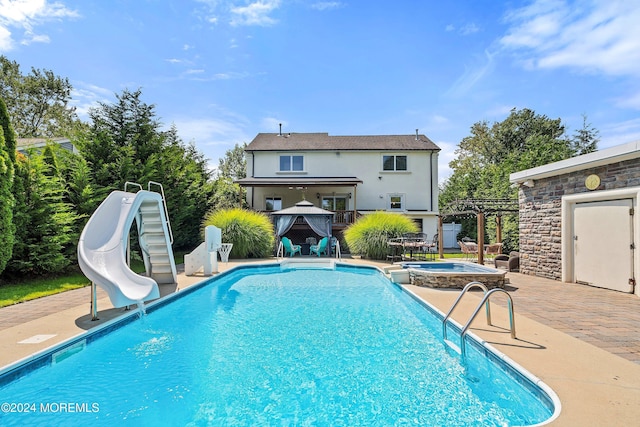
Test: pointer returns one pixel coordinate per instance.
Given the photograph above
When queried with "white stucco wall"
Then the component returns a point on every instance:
(418, 185)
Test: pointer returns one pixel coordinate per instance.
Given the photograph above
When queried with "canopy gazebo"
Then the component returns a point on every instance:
(319, 220)
(481, 208)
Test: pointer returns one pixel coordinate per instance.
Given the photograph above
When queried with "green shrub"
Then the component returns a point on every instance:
(368, 236)
(250, 232)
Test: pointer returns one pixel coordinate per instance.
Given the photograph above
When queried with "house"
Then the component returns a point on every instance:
(349, 175)
(579, 219)
(24, 144)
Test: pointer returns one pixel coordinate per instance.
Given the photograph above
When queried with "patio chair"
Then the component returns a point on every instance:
(492, 250)
(509, 262)
(290, 248)
(433, 247)
(320, 248)
(469, 249)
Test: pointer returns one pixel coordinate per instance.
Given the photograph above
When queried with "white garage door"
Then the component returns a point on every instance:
(603, 244)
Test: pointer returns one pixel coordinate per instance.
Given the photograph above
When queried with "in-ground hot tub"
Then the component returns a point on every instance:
(451, 274)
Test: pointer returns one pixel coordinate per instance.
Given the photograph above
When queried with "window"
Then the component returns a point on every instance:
(289, 163)
(273, 203)
(394, 163)
(396, 202)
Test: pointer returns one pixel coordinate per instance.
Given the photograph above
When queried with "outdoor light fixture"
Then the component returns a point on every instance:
(317, 195)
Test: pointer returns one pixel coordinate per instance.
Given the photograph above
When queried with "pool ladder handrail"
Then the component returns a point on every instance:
(512, 324)
(467, 288)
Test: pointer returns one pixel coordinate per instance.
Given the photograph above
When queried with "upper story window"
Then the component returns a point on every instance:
(394, 163)
(291, 163)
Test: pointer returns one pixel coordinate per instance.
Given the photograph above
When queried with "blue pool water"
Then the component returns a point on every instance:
(453, 267)
(261, 346)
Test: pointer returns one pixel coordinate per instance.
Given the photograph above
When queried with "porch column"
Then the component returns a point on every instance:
(440, 238)
(355, 197)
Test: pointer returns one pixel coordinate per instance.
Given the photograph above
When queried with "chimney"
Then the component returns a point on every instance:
(280, 133)
(416, 134)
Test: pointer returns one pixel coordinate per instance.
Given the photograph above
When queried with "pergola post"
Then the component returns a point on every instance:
(480, 238)
(440, 238)
(499, 229)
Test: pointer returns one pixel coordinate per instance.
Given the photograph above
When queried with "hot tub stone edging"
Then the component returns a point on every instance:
(456, 281)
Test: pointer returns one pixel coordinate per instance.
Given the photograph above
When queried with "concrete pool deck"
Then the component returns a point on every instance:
(581, 341)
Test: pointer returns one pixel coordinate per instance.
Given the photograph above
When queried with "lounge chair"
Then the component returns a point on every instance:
(320, 248)
(290, 248)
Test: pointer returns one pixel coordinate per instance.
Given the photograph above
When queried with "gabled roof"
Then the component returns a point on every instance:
(322, 141)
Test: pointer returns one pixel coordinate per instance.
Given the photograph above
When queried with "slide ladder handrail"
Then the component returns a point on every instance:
(164, 203)
(512, 325)
(467, 288)
(135, 184)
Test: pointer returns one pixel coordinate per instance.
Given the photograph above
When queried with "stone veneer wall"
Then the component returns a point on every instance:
(540, 213)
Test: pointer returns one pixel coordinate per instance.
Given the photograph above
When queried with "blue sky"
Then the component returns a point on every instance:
(223, 71)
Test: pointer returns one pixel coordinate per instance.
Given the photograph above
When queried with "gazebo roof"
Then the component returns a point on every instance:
(303, 208)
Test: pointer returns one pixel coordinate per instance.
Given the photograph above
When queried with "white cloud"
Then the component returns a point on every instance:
(327, 5)
(445, 156)
(472, 75)
(24, 15)
(85, 96)
(272, 125)
(469, 29)
(619, 133)
(256, 13)
(598, 36)
(5, 39)
(213, 137)
(629, 101)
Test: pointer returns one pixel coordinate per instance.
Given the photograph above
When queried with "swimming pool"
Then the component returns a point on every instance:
(263, 346)
(440, 274)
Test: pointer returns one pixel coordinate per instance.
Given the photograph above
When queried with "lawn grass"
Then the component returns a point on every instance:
(13, 293)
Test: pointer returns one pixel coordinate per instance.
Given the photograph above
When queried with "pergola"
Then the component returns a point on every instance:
(481, 208)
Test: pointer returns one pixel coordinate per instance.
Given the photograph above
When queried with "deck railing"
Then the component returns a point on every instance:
(342, 217)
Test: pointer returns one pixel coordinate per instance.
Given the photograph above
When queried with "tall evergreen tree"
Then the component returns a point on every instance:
(7, 160)
(46, 241)
(125, 143)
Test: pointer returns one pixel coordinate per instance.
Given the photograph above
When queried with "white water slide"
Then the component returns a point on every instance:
(102, 249)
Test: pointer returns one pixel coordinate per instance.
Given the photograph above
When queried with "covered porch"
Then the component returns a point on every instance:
(335, 194)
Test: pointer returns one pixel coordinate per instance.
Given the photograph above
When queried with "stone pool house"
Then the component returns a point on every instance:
(580, 219)
(348, 175)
